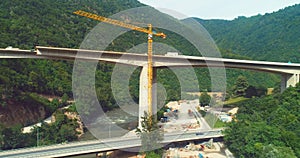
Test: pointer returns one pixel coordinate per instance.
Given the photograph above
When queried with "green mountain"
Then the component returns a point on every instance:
(271, 37)
(267, 126)
(24, 24)
(25, 82)
(51, 22)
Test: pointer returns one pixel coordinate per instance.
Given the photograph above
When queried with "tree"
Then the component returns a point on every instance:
(276, 152)
(1, 137)
(266, 126)
(213, 100)
(62, 130)
(153, 154)
(150, 135)
(12, 138)
(64, 99)
(67, 133)
(240, 87)
(250, 92)
(204, 99)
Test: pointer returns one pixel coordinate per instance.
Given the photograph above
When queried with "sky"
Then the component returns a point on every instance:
(218, 9)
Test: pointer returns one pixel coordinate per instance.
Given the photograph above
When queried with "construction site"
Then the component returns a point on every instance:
(207, 149)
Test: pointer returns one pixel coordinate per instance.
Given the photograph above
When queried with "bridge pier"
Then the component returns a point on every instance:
(143, 93)
(288, 80)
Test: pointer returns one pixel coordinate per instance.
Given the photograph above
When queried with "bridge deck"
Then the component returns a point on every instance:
(160, 61)
(80, 148)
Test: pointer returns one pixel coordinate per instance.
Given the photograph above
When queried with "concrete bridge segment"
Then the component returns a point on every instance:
(290, 72)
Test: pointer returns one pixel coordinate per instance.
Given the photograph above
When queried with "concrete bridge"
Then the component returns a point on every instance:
(96, 146)
(290, 72)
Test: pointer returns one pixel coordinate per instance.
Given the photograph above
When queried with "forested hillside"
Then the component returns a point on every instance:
(25, 82)
(24, 24)
(267, 127)
(272, 37)
(26, 85)
(51, 22)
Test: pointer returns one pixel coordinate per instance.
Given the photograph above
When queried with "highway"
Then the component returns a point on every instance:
(290, 72)
(42, 52)
(79, 148)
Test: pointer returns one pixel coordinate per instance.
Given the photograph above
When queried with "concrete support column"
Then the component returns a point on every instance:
(154, 93)
(143, 93)
(288, 80)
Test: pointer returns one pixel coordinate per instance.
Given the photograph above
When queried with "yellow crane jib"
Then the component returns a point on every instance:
(150, 33)
(118, 23)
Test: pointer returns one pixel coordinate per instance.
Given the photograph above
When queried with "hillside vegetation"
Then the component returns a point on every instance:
(24, 24)
(271, 37)
(267, 127)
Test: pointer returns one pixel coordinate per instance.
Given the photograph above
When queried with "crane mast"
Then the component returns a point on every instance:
(150, 33)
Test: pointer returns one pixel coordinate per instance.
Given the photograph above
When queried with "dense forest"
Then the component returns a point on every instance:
(51, 23)
(61, 131)
(48, 23)
(273, 36)
(28, 83)
(267, 127)
(25, 24)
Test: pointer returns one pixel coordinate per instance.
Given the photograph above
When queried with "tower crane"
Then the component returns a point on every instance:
(148, 31)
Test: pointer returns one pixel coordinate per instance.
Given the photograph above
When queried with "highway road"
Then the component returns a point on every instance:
(77, 148)
(289, 71)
